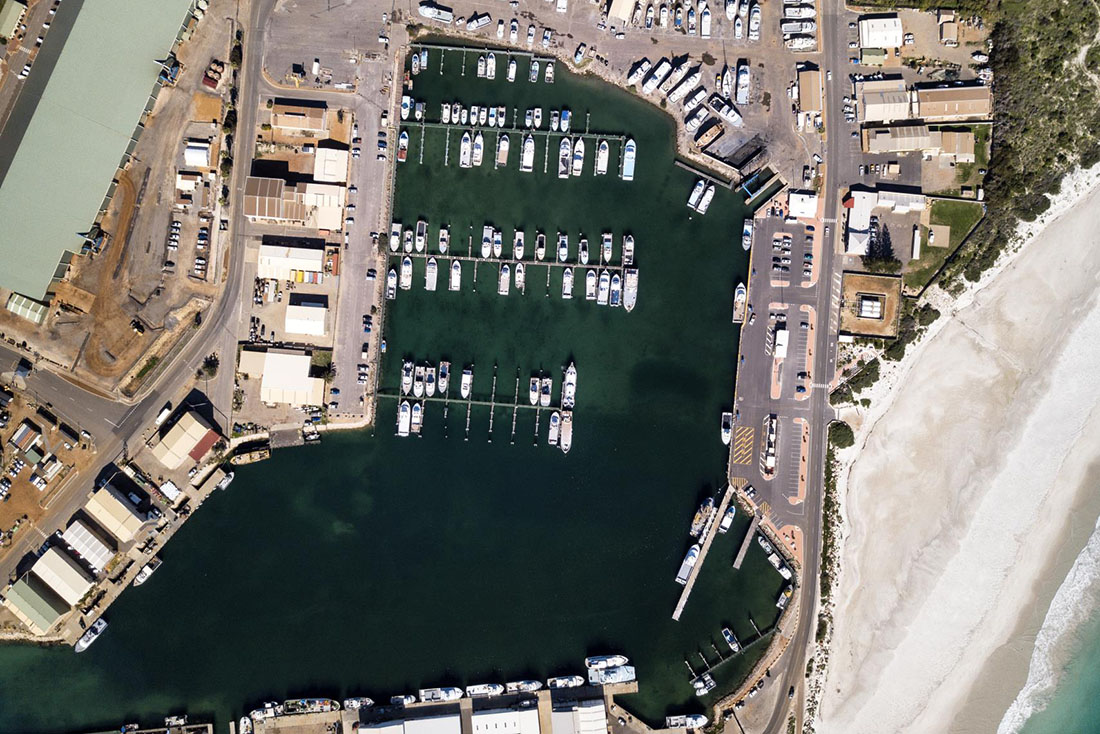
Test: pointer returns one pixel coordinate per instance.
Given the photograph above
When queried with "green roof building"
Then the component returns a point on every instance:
(11, 14)
(35, 604)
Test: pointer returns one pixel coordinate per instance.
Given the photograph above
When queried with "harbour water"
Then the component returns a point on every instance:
(373, 564)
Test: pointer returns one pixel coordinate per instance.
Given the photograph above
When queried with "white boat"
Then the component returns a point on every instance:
(744, 84)
(486, 240)
(402, 146)
(445, 113)
(663, 15)
(569, 387)
(693, 721)
(704, 203)
(691, 21)
(746, 235)
(404, 418)
(689, 563)
(738, 28)
(502, 151)
(498, 243)
(501, 115)
(578, 157)
(555, 429)
(533, 391)
(244, 725)
(704, 22)
(602, 662)
(417, 417)
(357, 702)
(421, 235)
(583, 251)
(408, 240)
(606, 243)
(739, 295)
(616, 290)
(406, 700)
(538, 117)
(491, 66)
(484, 690)
(540, 246)
(731, 639)
(565, 681)
(678, 73)
(391, 284)
(406, 273)
(657, 76)
(418, 111)
(628, 249)
(418, 381)
(567, 283)
(695, 99)
(731, 9)
(467, 384)
(727, 427)
(555, 119)
(563, 247)
(727, 519)
(696, 193)
(630, 151)
(517, 245)
(566, 120)
(529, 118)
(590, 279)
(406, 106)
(435, 695)
(630, 288)
(527, 159)
(91, 635)
(565, 442)
(649, 17)
(521, 276)
(431, 274)
(504, 281)
(456, 110)
(465, 150)
(481, 66)
(754, 23)
(640, 69)
(603, 292)
(465, 116)
(511, 70)
(456, 276)
(523, 686)
(684, 87)
(406, 376)
(548, 76)
(565, 155)
(395, 236)
(147, 571)
(444, 239)
(492, 117)
(479, 149)
(534, 75)
(546, 390)
(444, 376)
(603, 152)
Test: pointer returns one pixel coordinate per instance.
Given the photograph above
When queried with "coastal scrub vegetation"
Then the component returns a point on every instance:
(841, 435)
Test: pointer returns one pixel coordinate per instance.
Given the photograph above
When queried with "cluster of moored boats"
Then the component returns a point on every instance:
(701, 196)
(701, 525)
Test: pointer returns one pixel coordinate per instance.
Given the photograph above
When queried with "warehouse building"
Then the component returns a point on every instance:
(284, 377)
(330, 165)
(11, 15)
(306, 204)
(63, 575)
(506, 721)
(297, 116)
(956, 102)
(620, 10)
(26, 437)
(196, 154)
(305, 314)
(958, 145)
(285, 259)
(579, 717)
(35, 604)
(114, 513)
(88, 544)
(880, 31)
(190, 438)
(809, 90)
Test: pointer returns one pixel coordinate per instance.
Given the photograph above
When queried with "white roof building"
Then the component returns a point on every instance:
(325, 204)
(88, 545)
(330, 166)
(284, 377)
(280, 261)
(581, 717)
(450, 724)
(506, 721)
(802, 204)
(114, 513)
(62, 574)
(306, 319)
(197, 154)
(880, 31)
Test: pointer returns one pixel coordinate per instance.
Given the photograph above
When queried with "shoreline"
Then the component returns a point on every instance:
(930, 555)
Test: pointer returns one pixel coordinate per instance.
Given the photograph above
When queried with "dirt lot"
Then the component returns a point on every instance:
(888, 287)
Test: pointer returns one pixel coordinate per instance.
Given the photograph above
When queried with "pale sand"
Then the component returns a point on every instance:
(957, 505)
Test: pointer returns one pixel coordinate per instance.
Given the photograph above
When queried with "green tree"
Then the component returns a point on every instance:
(841, 435)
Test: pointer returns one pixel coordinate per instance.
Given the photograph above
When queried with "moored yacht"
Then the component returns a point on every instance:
(434, 695)
(456, 110)
(603, 292)
(555, 428)
(357, 702)
(406, 700)
(484, 690)
(565, 155)
(523, 686)
(479, 149)
(606, 243)
(445, 113)
(529, 118)
(91, 635)
(689, 563)
(408, 240)
(444, 376)
(630, 288)
(402, 146)
(444, 239)
(628, 249)
(546, 389)
(582, 251)
(501, 114)
(566, 119)
(578, 157)
(502, 151)
(417, 418)
(491, 66)
(534, 75)
(630, 152)
(467, 384)
(406, 376)
(464, 115)
(431, 274)
(456, 276)
(391, 284)
(746, 235)
(521, 276)
(517, 245)
(406, 106)
(590, 285)
(482, 115)
(563, 246)
(465, 150)
(603, 152)
(548, 77)
(481, 66)
(504, 282)
(511, 70)
(533, 391)
(406, 273)
(538, 117)
(602, 662)
(554, 120)
(567, 283)
(739, 295)
(616, 290)
(696, 193)
(569, 387)
(540, 246)
(492, 116)
(486, 240)
(395, 236)
(404, 418)
(421, 235)
(418, 380)
(498, 243)
(565, 442)
(527, 159)
(565, 681)
(727, 519)
(708, 196)
(727, 427)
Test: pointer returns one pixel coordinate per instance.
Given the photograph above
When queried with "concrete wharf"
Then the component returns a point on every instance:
(712, 532)
(747, 541)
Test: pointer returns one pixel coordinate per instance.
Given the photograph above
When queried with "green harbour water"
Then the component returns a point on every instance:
(376, 564)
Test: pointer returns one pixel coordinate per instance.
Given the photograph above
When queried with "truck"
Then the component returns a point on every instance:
(163, 415)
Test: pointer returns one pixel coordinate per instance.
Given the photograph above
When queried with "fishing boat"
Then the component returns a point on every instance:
(502, 151)
(91, 635)
(408, 240)
(569, 387)
(555, 119)
(406, 700)
(492, 117)
(406, 106)
(739, 295)
(565, 154)
(438, 695)
(555, 426)
(630, 288)
(738, 28)
(269, 711)
(484, 690)
(147, 571)
(603, 662)
(540, 246)
(690, 560)
(395, 236)
(534, 75)
(501, 113)
(504, 282)
(406, 273)
(630, 151)
(511, 70)
(404, 418)
(565, 442)
(357, 702)
(517, 245)
(590, 279)
(456, 276)
(533, 391)
(527, 159)
(421, 235)
(640, 70)
(628, 249)
(696, 193)
(529, 118)
(702, 517)
(727, 519)
(391, 284)
(491, 66)
(538, 117)
(481, 66)
(578, 157)
(616, 290)
(406, 376)
(498, 243)
(692, 721)
(444, 381)
(704, 22)
(603, 152)
(523, 686)
(744, 84)
(467, 383)
(548, 77)
(583, 251)
(567, 283)
(746, 235)
(479, 149)
(418, 111)
(521, 276)
(566, 119)
(708, 197)
(444, 239)
(431, 274)
(465, 150)
(486, 240)
(445, 113)
(566, 681)
(563, 246)
(606, 243)
(402, 146)
(418, 380)
(546, 390)
(727, 427)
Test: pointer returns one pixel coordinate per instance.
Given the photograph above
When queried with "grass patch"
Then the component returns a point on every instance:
(962, 217)
(148, 367)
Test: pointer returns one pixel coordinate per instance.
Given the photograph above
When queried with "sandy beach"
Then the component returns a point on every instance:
(970, 498)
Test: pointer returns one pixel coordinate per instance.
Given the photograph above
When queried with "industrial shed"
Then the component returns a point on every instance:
(284, 377)
(190, 438)
(88, 545)
(282, 262)
(114, 513)
(880, 31)
(63, 574)
(34, 604)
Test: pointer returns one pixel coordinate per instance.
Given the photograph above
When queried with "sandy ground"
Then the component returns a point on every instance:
(967, 481)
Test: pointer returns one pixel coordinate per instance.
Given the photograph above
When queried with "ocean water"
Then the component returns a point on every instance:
(372, 564)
